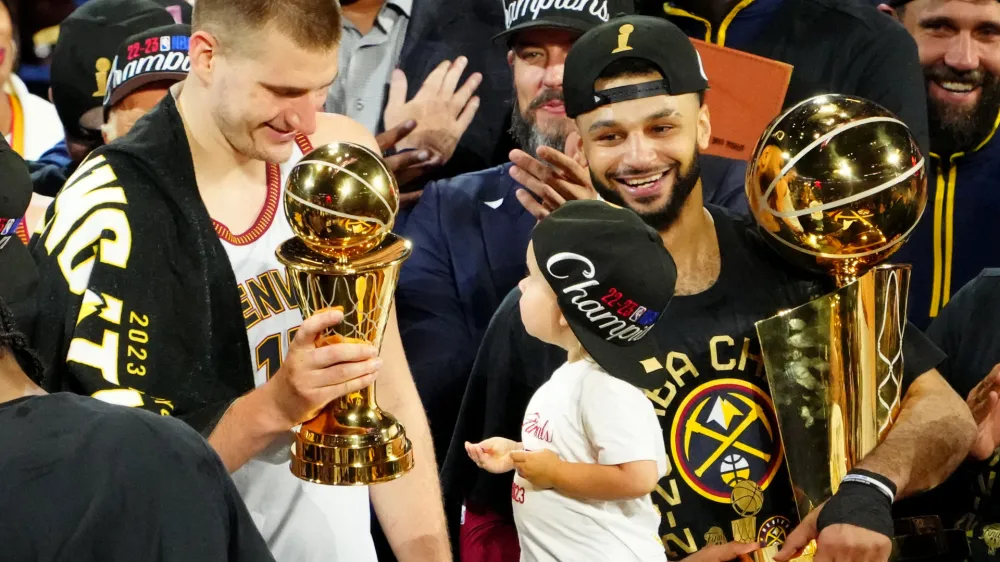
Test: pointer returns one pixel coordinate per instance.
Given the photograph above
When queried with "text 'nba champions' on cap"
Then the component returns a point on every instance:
(572, 15)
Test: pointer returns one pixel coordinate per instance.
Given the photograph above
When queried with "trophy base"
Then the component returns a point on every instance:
(368, 455)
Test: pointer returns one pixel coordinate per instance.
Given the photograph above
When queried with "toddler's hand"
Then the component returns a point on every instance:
(493, 454)
(537, 467)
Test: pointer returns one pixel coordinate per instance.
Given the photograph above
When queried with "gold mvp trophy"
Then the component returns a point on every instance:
(836, 184)
(341, 201)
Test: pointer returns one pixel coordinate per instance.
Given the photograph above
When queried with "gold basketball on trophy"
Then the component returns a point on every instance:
(341, 200)
(837, 183)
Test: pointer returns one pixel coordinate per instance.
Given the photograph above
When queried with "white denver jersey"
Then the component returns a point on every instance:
(301, 522)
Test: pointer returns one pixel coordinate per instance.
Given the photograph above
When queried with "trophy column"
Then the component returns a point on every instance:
(352, 441)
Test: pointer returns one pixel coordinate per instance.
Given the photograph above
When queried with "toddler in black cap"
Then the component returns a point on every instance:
(591, 447)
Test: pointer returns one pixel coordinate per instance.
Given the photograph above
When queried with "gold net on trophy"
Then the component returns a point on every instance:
(341, 201)
(836, 184)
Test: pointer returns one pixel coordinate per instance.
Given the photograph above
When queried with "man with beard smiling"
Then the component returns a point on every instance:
(634, 87)
(469, 233)
(959, 44)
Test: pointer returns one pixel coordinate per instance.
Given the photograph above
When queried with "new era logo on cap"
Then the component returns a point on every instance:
(574, 15)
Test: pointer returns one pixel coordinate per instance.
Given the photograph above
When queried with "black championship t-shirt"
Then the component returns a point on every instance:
(718, 420)
(86, 481)
(968, 331)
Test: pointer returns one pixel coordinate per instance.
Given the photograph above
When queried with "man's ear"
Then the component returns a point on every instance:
(704, 127)
(203, 48)
(888, 10)
(510, 58)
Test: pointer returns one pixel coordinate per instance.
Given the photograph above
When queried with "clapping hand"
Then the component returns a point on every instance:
(442, 111)
(553, 178)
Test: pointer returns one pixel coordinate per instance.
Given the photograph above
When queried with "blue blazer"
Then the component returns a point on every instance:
(470, 235)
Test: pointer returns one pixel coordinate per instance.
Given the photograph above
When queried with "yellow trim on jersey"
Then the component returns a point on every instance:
(938, 211)
(721, 40)
(944, 223)
(949, 230)
(672, 11)
(723, 27)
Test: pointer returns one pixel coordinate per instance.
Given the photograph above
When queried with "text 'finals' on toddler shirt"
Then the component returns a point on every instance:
(585, 415)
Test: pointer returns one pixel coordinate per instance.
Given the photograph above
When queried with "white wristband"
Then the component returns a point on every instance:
(868, 481)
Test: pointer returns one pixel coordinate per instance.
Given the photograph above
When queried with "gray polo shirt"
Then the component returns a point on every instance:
(366, 64)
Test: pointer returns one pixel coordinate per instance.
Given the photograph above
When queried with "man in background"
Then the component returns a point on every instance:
(959, 43)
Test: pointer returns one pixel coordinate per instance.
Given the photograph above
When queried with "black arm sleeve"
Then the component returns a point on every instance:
(919, 355)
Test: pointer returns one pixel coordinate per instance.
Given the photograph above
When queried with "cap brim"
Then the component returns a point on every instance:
(625, 362)
(547, 23)
(133, 84)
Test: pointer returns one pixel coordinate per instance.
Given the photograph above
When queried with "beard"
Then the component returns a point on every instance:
(524, 125)
(663, 218)
(957, 128)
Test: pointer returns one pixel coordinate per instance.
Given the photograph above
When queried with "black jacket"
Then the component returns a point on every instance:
(835, 46)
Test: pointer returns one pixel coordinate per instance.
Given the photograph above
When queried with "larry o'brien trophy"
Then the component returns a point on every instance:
(836, 185)
(341, 201)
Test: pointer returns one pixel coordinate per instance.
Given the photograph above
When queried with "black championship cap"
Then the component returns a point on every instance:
(573, 15)
(649, 38)
(154, 55)
(613, 280)
(81, 62)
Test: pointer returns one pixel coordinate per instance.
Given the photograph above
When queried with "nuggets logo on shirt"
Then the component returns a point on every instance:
(774, 531)
(723, 432)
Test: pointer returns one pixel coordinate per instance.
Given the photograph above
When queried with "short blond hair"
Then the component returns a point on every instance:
(311, 24)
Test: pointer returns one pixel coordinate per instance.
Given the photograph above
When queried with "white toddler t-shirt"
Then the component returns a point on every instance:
(585, 415)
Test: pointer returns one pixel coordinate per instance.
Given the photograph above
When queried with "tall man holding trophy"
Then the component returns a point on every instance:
(162, 288)
(635, 89)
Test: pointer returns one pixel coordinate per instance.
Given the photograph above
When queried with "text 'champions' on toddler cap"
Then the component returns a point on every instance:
(613, 279)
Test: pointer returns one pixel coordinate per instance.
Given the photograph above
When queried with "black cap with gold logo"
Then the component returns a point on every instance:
(648, 38)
